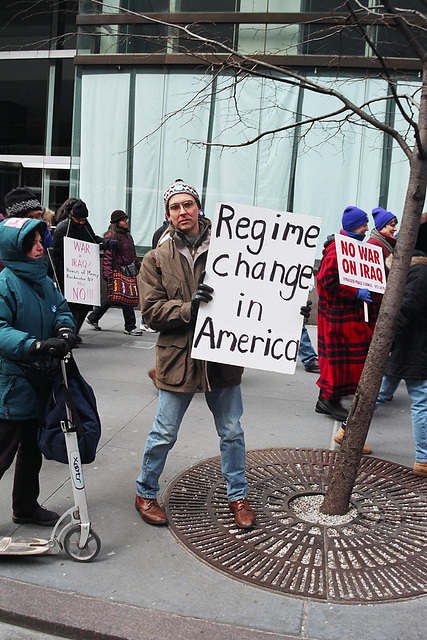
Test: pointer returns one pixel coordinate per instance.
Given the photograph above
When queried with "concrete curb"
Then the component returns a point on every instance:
(79, 617)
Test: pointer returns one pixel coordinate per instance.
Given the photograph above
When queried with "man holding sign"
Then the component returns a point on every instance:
(171, 289)
(344, 331)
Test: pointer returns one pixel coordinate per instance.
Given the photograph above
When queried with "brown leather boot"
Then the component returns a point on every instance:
(150, 511)
(339, 436)
(243, 514)
(420, 469)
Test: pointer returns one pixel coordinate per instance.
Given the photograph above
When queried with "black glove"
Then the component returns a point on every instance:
(65, 333)
(305, 311)
(201, 294)
(111, 245)
(42, 373)
(52, 346)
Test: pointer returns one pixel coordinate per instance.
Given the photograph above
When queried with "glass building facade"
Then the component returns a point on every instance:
(37, 48)
(133, 103)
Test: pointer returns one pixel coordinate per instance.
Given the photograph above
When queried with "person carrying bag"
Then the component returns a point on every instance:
(37, 327)
(121, 284)
(119, 269)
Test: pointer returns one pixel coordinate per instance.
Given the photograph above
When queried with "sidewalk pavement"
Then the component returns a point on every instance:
(144, 584)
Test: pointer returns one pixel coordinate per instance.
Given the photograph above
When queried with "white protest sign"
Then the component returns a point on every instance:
(81, 272)
(360, 265)
(260, 267)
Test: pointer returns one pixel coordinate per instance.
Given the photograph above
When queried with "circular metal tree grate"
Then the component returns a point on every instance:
(379, 555)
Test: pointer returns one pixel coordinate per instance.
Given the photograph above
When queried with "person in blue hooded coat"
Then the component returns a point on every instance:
(36, 327)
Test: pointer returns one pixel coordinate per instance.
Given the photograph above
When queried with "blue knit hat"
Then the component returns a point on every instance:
(353, 218)
(381, 217)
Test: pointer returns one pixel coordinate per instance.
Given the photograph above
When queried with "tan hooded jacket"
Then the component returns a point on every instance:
(168, 277)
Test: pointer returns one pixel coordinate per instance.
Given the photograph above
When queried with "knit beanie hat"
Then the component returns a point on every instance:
(381, 217)
(179, 186)
(118, 215)
(79, 210)
(353, 217)
(20, 201)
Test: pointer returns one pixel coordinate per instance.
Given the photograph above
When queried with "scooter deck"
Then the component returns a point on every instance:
(23, 546)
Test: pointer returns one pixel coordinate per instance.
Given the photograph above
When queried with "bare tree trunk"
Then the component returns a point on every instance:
(346, 466)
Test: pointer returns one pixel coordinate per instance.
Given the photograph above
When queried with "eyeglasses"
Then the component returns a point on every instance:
(187, 205)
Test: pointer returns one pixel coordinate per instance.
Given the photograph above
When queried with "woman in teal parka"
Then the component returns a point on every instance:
(35, 326)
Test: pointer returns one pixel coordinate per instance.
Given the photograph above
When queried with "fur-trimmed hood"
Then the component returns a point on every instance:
(418, 258)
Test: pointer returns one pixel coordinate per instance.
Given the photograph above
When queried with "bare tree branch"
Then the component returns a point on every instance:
(386, 75)
(405, 30)
(248, 65)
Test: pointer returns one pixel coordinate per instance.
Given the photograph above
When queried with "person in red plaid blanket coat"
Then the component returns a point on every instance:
(343, 333)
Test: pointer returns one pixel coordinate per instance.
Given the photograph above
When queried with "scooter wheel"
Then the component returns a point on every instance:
(88, 552)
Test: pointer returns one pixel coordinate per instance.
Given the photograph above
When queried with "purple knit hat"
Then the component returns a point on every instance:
(353, 217)
(381, 217)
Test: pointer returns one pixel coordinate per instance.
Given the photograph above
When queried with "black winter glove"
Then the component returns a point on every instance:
(305, 311)
(201, 294)
(65, 333)
(42, 373)
(52, 346)
(111, 245)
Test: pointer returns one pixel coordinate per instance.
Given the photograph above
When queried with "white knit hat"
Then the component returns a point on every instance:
(179, 186)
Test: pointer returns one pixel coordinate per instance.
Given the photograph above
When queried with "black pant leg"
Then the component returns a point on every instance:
(19, 437)
(129, 317)
(26, 486)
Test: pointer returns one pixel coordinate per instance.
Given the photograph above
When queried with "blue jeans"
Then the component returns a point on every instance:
(417, 390)
(306, 352)
(226, 406)
(389, 385)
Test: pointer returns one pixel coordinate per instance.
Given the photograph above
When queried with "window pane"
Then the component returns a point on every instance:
(208, 5)
(331, 40)
(392, 43)
(38, 25)
(146, 6)
(63, 108)
(223, 33)
(59, 184)
(314, 6)
(23, 106)
(141, 38)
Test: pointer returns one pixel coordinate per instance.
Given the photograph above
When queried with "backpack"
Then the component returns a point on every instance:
(80, 399)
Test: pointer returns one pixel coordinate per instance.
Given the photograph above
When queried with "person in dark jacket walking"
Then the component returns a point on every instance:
(75, 226)
(408, 358)
(35, 323)
(171, 290)
(389, 384)
(124, 258)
